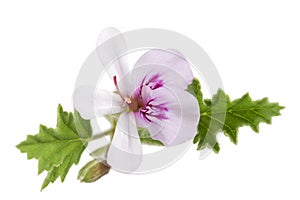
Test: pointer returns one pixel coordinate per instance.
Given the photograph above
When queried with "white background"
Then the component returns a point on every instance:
(254, 44)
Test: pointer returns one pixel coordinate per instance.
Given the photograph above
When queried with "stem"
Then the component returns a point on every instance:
(101, 135)
(99, 151)
(110, 132)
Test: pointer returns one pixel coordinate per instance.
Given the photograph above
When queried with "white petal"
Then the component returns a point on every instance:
(125, 152)
(91, 103)
(111, 47)
(126, 85)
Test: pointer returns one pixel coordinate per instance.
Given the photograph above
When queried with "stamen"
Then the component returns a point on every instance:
(115, 81)
(117, 87)
(127, 100)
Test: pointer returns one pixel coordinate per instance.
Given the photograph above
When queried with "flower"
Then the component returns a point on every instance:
(152, 95)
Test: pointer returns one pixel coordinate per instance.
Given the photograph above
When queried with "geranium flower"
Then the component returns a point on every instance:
(152, 95)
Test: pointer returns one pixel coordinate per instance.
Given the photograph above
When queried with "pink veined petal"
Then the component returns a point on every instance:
(157, 76)
(175, 116)
(110, 46)
(142, 120)
(91, 103)
(125, 152)
(170, 58)
(182, 117)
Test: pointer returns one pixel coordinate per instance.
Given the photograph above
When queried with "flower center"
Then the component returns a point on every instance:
(134, 104)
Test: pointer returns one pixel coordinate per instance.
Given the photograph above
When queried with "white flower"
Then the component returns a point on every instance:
(151, 96)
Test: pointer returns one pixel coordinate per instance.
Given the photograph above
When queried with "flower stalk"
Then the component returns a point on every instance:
(103, 134)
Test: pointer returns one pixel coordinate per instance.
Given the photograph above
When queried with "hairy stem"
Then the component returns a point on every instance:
(103, 134)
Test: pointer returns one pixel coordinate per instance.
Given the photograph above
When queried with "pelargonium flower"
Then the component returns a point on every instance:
(153, 96)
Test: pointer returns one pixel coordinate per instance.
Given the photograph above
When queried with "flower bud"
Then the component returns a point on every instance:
(93, 170)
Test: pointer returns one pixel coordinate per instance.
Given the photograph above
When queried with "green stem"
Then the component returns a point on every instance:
(103, 134)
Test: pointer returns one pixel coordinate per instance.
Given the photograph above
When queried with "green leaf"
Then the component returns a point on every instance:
(220, 114)
(83, 126)
(57, 149)
(195, 89)
(145, 138)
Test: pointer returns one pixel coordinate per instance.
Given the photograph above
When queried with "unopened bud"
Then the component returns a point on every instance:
(92, 171)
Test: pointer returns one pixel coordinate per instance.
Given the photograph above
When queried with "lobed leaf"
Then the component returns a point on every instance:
(220, 114)
(58, 149)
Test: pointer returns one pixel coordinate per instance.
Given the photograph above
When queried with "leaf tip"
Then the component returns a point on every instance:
(45, 184)
(281, 107)
(59, 107)
(18, 147)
